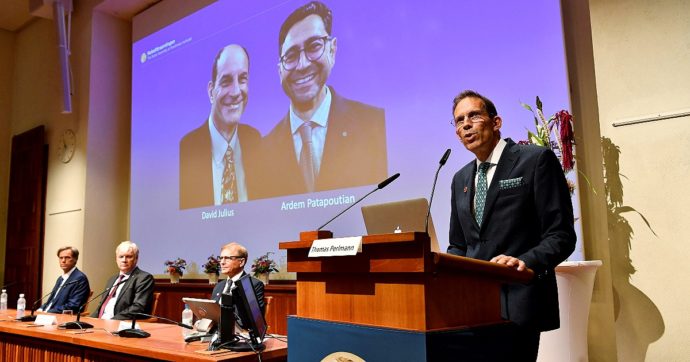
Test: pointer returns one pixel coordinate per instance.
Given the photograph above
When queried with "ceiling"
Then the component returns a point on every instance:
(14, 14)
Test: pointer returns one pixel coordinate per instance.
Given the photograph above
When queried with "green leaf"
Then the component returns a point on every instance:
(534, 139)
(526, 106)
(539, 105)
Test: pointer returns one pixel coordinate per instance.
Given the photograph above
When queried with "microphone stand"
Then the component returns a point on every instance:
(32, 317)
(163, 318)
(133, 332)
(83, 325)
(433, 188)
(381, 185)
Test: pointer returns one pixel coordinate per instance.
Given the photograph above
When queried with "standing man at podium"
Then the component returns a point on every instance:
(511, 206)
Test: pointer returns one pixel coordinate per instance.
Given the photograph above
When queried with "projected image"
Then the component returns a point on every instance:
(338, 142)
(255, 120)
(220, 160)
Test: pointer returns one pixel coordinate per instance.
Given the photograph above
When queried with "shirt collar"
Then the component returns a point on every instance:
(66, 276)
(219, 144)
(236, 277)
(495, 155)
(320, 117)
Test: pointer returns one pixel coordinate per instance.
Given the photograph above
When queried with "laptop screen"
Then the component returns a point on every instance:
(399, 216)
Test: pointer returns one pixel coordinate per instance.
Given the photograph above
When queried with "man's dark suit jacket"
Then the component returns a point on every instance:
(71, 296)
(256, 283)
(196, 173)
(531, 219)
(136, 295)
(354, 152)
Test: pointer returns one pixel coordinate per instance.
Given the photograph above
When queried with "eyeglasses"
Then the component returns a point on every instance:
(475, 118)
(313, 50)
(231, 257)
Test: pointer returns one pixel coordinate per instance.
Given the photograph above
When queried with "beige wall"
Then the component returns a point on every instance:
(97, 177)
(642, 63)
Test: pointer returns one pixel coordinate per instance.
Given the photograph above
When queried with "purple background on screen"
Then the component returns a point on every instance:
(409, 57)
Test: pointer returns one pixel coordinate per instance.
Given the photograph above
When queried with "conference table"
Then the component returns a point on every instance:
(19, 341)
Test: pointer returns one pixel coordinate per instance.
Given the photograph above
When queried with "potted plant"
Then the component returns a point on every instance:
(212, 269)
(263, 266)
(175, 268)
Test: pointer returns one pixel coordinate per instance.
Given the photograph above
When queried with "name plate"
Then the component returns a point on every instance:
(336, 247)
(45, 320)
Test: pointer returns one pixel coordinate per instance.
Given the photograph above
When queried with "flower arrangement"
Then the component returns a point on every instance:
(560, 126)
(176, 266)
(264, 264)
(212, 265)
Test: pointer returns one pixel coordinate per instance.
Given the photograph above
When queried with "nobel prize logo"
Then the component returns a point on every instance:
(142, 58)
(342, 357)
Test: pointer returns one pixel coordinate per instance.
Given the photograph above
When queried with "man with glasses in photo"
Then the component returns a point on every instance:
(510, 206)
(220, 160)
(233, 258)
(325, 141)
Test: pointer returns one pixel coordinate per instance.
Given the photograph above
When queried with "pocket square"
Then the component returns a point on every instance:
(510, 183)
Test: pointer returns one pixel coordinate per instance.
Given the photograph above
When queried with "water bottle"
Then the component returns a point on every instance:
(188, 319)
(21, 306)
(3, 300)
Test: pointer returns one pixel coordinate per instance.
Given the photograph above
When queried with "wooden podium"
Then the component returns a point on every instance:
(398, 283)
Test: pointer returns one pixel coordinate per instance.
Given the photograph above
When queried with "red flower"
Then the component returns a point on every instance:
(564, 123)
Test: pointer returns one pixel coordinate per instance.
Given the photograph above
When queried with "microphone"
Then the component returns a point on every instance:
(133, 332)
(381, 185)
(165, 319)
(433, 188)
(32, 317)
(83, 325)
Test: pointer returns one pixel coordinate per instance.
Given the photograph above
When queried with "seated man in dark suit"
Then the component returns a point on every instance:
(233, 258)
(133, 287)
(71, 289)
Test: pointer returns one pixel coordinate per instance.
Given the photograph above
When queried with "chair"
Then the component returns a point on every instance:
(85, 310)
(156, 296)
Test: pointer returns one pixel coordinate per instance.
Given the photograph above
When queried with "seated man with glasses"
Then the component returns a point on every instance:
(233, 258)
(325, 141)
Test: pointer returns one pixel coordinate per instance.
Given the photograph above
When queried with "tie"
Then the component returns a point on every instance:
(480, 196)
(110, 295)
(54, 294)
(228, 287)
(306, 156)
(229, 182)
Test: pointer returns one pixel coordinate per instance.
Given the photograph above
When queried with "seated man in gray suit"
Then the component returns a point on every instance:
(131, 290)
(71, 289)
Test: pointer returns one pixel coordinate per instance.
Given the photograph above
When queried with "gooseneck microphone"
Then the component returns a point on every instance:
(83, 325)
(433, 188)
(381, 185)
(133, 332)
(163, 318)
(32, 317)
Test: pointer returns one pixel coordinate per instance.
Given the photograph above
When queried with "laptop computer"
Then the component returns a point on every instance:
(399, 216)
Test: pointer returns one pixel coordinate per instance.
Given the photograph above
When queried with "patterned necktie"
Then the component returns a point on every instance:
(480, 195)
(229, 183)
(110, 295)
(306, 156)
